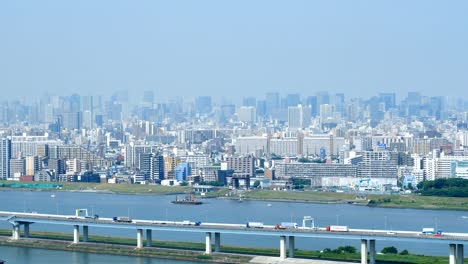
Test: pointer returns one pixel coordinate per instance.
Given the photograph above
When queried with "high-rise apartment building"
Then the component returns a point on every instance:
(32, 165)
(5, 156)
(299, 116)
(17, 168)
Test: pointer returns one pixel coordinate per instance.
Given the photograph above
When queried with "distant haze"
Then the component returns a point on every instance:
(233, 48)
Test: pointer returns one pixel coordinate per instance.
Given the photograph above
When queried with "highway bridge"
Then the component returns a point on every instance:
(367, 237)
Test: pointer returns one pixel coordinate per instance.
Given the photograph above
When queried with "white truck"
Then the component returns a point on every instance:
(122, 219)
(428, 231)
(254, 225)
(286, 225)
(337, 228)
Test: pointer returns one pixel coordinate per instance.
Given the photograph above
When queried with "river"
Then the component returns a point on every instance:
(20, 255)
(231, 211)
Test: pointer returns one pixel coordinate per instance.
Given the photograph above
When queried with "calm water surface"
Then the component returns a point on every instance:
(231, 211)
(18, 255)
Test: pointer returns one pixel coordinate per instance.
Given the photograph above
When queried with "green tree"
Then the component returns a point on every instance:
(256, 184)
(390, 250)
(349, 249)
(404, 252)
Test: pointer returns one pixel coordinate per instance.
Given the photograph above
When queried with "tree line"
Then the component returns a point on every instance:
(451, 187)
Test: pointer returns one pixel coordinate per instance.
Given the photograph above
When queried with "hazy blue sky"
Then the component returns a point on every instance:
(233, 48)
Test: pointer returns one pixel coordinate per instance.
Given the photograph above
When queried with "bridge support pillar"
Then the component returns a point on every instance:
(208, 243)
(372, 251)
(460, 254)
(363, 251)
(217, 242)
(282, 247)
(76, 234)
(85, 234)
(15, 232)
(26, 229)
(139, 238)
(291, 246)
(149, 237)
(452, 256)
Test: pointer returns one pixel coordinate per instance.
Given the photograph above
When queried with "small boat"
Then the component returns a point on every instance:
(268, 205)
(188, 199)
(52, 195)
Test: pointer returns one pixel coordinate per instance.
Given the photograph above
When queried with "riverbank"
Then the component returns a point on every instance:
(410, 201)
(190, 250)
(53, 241)
(99, 187)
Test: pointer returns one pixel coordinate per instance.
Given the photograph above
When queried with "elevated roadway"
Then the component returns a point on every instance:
(366, 236)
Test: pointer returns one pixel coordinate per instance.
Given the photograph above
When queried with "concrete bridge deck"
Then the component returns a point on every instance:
(287, 236)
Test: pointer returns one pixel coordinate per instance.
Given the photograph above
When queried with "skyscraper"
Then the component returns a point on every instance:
(299, 116)
(148, 98)
(312, 102)
(388, 99)
(5, 156)
(272, 103)
(293, 99)
(203, 105)
(247, 114)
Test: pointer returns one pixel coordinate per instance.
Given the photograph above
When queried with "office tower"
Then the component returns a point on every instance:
(376, 112)
(203, 105)
(299, 116)
(72, 120)
(87, 103)
(5, 156)
(157, 167)
(182, 171)
(74, 103)
(339, 103)
(388, 99)
(113, 110)
(413, 102)
(312, 102)
(247, 114)
(326, 111)
(225, 113)
(436, 106)
(261, 108)
(293, 100)
(249, 101)
(323, 98)
(272, 103)
(48, 113)
(148, 98)
(87, 120)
